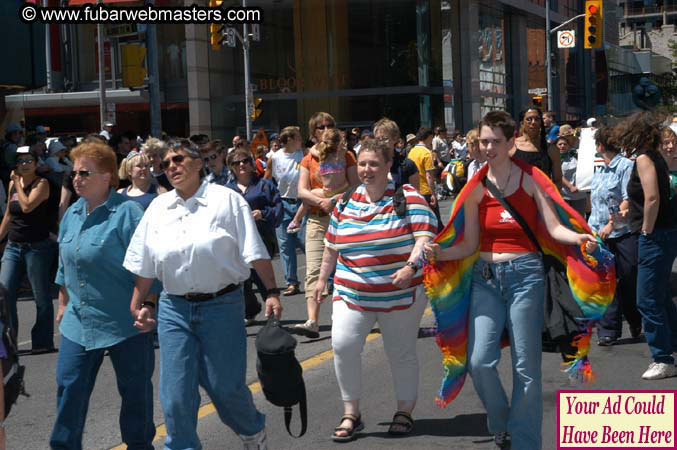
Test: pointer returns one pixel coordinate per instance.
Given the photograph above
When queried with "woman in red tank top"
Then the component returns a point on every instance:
(508, 286)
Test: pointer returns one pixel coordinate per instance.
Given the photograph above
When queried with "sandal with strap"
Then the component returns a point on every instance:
(350, 432)
(401, 427)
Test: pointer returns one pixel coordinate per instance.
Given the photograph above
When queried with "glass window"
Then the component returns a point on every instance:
(493, 75)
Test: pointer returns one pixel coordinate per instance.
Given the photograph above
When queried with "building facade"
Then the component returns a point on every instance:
(429, 62)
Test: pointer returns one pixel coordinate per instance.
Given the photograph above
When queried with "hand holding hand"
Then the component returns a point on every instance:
(144, 320)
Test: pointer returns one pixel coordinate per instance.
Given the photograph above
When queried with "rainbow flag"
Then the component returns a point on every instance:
(592, 279)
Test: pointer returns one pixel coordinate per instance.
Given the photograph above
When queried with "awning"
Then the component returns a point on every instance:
(57, 99)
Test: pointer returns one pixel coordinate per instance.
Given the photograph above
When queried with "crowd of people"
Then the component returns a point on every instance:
(186, 230)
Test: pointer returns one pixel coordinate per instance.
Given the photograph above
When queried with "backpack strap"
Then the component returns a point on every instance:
(346, 197)
(400, 202)
(303, 405)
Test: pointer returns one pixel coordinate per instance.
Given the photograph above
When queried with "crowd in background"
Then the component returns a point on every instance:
(153, 220)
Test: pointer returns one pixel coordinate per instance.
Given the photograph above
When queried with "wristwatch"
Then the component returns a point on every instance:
(413, 265)
(274, 290)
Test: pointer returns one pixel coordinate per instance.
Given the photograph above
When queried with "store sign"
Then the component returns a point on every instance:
(566, 39)
(120, 30)
(538, 91)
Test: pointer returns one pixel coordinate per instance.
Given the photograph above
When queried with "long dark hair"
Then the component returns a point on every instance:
(639, 133)
(543, 142)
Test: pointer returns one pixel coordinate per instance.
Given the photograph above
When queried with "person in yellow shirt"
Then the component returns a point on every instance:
(425, 163)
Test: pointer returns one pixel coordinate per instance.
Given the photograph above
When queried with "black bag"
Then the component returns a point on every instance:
(280, 373)
(561, 310)
(12, 371)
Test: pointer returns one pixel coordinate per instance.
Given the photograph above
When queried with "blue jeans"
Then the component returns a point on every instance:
(204, 344)
(134, 361)
(290, 242)
(512, 298)
(35, 259)
(657, 252)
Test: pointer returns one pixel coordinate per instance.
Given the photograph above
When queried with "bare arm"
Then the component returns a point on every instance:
(647, 176)
(31, 201)
(268, 174)
(329, 258)
(351, 172)
(64, 201)
(430, 176)
(553, 153)
(63, 303)
(4, 225)
(307, 196)
(471, 234)
(402, 278)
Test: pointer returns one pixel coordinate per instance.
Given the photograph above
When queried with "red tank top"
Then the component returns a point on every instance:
(500, 232)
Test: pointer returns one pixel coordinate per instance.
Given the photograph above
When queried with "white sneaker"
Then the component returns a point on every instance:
(656, 371)
(256, 441)
(310, 328)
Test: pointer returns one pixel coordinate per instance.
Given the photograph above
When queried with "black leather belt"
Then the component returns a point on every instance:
(200, 297)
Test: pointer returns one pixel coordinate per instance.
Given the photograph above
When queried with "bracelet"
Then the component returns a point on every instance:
(148, 304)
(644, 233)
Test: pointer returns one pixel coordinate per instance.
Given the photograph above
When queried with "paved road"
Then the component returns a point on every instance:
(459, 426)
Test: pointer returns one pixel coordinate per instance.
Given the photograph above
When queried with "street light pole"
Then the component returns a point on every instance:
(548, 56)
(248, 107)
(102, 74)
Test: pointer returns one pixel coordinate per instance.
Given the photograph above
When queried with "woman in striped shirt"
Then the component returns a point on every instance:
(375, 247)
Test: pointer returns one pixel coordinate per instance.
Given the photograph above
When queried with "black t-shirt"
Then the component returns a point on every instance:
(27, 227)
(636, 195)
(401, 170)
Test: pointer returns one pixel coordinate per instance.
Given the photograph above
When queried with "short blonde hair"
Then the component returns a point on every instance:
(130, 161)
(154, 146)
(472, 136)
(388, 127)
(102, 155)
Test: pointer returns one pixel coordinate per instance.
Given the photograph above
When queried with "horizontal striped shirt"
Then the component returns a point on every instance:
(373, 243)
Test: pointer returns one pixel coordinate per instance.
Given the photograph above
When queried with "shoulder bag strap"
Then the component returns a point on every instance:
(304, 416)
(513, 212)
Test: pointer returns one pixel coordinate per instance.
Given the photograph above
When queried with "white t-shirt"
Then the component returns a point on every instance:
(286, 171)
(201, 245)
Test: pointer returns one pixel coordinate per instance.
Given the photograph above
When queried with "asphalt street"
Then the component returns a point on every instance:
(460, 426)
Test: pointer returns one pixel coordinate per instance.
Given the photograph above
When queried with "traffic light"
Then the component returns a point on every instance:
(256, 110)
(133, 68)
(230, 37)
(215, 3)
(593, 24)
(215, 35)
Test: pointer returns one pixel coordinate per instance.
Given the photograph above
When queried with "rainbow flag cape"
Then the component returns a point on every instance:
(592, 279)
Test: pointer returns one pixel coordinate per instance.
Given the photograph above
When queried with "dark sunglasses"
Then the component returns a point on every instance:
(176, 159)
(82, 173)
(241, 161)
(25, 160)
(211, 157)
(324, 127)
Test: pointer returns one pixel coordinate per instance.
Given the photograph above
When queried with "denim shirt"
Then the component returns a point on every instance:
(612, 178)
(91, 251)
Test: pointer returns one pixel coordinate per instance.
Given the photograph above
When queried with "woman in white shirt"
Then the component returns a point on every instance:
(199, 241)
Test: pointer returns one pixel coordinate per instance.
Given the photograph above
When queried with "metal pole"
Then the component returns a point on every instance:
(155, 106)
(102, 74)
(548, 59)
(247, 83)
(48, 53)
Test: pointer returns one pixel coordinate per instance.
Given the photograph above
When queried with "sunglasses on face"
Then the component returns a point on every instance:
(324, 127)
(211, 157)
(24, 161)
(176, 159)
(82, 173)
(241, 161)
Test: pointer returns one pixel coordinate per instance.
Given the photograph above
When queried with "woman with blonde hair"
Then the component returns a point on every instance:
(155, 149)
(144, 188)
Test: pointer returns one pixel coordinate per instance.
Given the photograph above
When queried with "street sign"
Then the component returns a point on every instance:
(566, 39)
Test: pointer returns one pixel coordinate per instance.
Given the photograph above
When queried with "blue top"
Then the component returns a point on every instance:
(552, 133)
(609, 180)
(401, 169)
(143, 200)
(91, 251)
(262, 195)
(220, 179)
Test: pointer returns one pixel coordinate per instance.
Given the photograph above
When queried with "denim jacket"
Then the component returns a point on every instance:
(608, 179)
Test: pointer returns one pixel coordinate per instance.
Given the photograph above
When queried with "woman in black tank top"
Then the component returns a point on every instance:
(29, 248)
(532, 147)
(650, 215)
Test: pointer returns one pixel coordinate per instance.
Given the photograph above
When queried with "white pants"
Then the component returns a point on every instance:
(399, 330)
